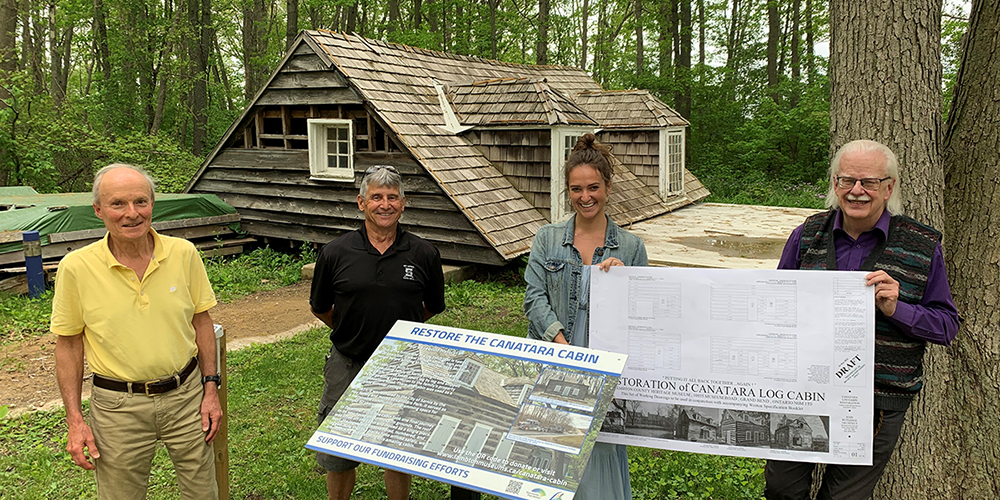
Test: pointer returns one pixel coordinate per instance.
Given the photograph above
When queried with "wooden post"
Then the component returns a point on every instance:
(221, 442)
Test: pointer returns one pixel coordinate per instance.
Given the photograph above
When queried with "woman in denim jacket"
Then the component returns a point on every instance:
(558, 275)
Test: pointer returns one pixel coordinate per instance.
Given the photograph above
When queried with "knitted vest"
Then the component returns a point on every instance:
(906, 255)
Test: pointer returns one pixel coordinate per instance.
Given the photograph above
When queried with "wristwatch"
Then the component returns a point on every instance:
(212, 378)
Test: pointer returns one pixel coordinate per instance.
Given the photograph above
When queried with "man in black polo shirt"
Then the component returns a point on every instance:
(365, 281)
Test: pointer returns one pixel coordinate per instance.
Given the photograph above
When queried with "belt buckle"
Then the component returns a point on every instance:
(146, 387)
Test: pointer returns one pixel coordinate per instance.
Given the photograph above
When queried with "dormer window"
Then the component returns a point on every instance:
(331, 149)
(468, 373)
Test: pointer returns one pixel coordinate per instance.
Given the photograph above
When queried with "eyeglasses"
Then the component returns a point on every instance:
(868, 183)
(376, 168)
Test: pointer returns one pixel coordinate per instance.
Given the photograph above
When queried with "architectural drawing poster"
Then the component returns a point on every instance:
(516, 418)
(766, 364)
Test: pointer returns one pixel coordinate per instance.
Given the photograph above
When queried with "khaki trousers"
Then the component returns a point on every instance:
(126, 428)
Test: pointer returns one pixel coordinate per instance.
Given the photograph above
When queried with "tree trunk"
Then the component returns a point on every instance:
(664, 41)
(291, 22)
(102, 52)
(8, 31)
(223, 73)
(445, 26)
(796, 37)
(675, 37)
(432, 19)
(352, 18)
(583, 33)
(55, 60)
(885, 85)
(200, 19)
(417, 14)
(37, 45)
(393, 16)
(958, 407)
(493, 4)
(732, 40)
(684, 60)
(601, 48)
(810, 42)
(254, 46)
(542, 48)
(701, 35)
(639, 62)
(773, 33)
(146, 66)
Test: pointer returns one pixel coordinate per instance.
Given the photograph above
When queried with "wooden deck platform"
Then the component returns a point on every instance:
(718, 235)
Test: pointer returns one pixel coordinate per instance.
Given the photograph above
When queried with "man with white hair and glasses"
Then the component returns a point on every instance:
(364, 281)
(865, 230)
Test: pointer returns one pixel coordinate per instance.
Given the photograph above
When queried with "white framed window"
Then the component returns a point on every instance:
(563, 140)
(671, 162)
(468, 373)
(331, 149)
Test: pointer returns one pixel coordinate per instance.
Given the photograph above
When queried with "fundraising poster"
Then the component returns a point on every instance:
(766, 364)
(516, 418)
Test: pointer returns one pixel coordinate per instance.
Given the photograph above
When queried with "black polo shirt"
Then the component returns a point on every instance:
(369, 292)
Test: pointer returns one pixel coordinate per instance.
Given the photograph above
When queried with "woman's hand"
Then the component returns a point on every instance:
(613, 261)
(560, 339)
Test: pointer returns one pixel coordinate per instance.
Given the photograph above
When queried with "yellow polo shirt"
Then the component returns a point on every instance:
(133, 329)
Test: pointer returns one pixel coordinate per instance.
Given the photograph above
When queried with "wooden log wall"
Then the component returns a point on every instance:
(523, 157)
(639, 151)
(273, 192)
(486, 411)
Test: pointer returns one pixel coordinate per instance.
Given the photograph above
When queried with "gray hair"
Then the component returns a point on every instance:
(895, 203)
(381, 176)
(96, 190)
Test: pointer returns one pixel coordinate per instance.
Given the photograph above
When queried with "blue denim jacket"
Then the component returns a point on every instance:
(553, 275)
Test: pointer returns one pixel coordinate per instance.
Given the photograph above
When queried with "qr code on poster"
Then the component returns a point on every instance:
(514, 487)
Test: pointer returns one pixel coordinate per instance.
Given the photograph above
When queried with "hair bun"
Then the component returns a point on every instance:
(586, 141)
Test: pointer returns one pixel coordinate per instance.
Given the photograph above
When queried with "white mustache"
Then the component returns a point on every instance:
(864, 197)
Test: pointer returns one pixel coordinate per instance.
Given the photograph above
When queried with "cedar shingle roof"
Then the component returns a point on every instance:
(515, 101)
(628, 109)
(401, 84)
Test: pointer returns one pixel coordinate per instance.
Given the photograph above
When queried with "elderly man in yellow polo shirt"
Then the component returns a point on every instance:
(137, 303)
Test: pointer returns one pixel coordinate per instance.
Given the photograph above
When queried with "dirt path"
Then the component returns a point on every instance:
(27, 369)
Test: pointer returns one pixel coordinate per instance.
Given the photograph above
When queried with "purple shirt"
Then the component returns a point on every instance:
(935, 319)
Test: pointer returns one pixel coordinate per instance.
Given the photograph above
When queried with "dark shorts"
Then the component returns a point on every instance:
(338, 372)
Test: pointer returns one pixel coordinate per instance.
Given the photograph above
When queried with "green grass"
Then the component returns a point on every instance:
(765, 192)
(23, 318)
(273, 393)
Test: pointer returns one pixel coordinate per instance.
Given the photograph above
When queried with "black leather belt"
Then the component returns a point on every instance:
(150, 387)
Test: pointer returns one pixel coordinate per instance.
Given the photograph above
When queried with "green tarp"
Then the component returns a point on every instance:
(46, 215)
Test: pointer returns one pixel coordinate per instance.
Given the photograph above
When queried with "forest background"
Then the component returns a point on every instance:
(84, 83)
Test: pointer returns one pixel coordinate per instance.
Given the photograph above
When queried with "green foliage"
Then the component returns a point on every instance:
(261, 269)
(661, 475)
(759, 151)
(23, 318)
(171, 165)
